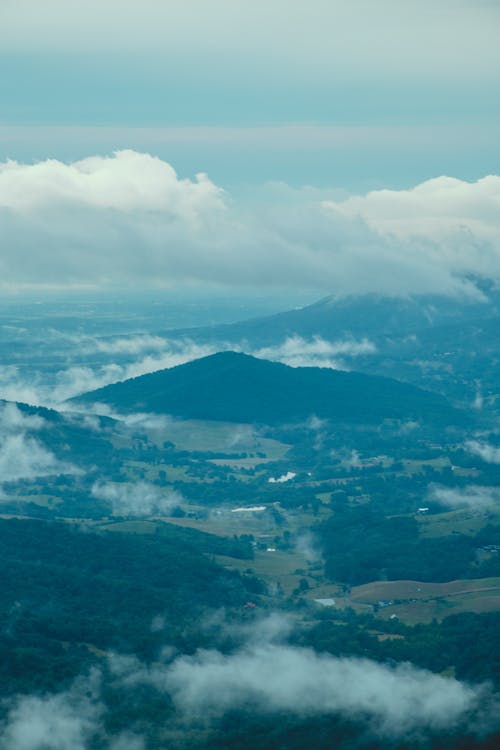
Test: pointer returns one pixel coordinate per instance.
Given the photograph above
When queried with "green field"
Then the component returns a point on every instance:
(205, 435)
(415, 601)
(280, 570)
(463, 521)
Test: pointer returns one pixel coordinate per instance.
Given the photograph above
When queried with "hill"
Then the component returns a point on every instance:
(236, 387)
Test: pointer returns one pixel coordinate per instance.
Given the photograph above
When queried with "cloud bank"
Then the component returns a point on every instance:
(280, 678)
(270, 677)
(130, 219)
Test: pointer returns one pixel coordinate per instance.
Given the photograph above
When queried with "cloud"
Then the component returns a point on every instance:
(283, 478)
(271, 677)
(62, 721)
(264, 675)
(128, 181)
(123, 345)
(489, 453)
(73, 381)
(308, 545)
(167, 352)
(349, 459)
(316, 352)
(21, 455)
(69, 720)
(281, 678)
(474, 497)
(129, 219)
(13, 420)
(138, 499)
(455, 223)
(140, 420)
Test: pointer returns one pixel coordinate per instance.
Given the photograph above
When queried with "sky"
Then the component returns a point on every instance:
(284, 107)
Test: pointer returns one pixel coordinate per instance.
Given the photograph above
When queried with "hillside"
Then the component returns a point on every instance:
(371, 315)
(236, 387)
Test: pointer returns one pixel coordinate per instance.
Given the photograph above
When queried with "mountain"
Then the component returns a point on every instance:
(236, 387)
(371, 315)
(445, 344)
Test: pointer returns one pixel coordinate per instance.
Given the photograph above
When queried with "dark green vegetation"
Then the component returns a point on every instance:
(235, 387)
(361, 545)
(70, 592)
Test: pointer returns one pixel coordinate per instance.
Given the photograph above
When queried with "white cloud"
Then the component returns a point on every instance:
(455, 223)
(129, 219)
(473, 496)
(316, 352)
(283, 478)
(139, 499)
(21, 455)
(70, 720)
(62, 721)
(269, 677)
(308, 545)
(128, 181)
(73, 381)
(13, 420)
(489, 453)
(282, 678)
(265, 675)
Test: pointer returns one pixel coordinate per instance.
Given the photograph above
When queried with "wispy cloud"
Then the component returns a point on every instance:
(68, 720)
(123, 345)
(297, 351)
(308, 545)
(139, 499)
(57, 722)
(489, 453)
(475, 497)
(23, 456)
(73, 381)
(163, 353)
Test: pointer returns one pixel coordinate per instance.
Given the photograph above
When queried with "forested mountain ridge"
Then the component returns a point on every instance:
(236, 387)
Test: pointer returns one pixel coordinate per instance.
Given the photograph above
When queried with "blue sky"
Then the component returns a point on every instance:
(327, 145)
